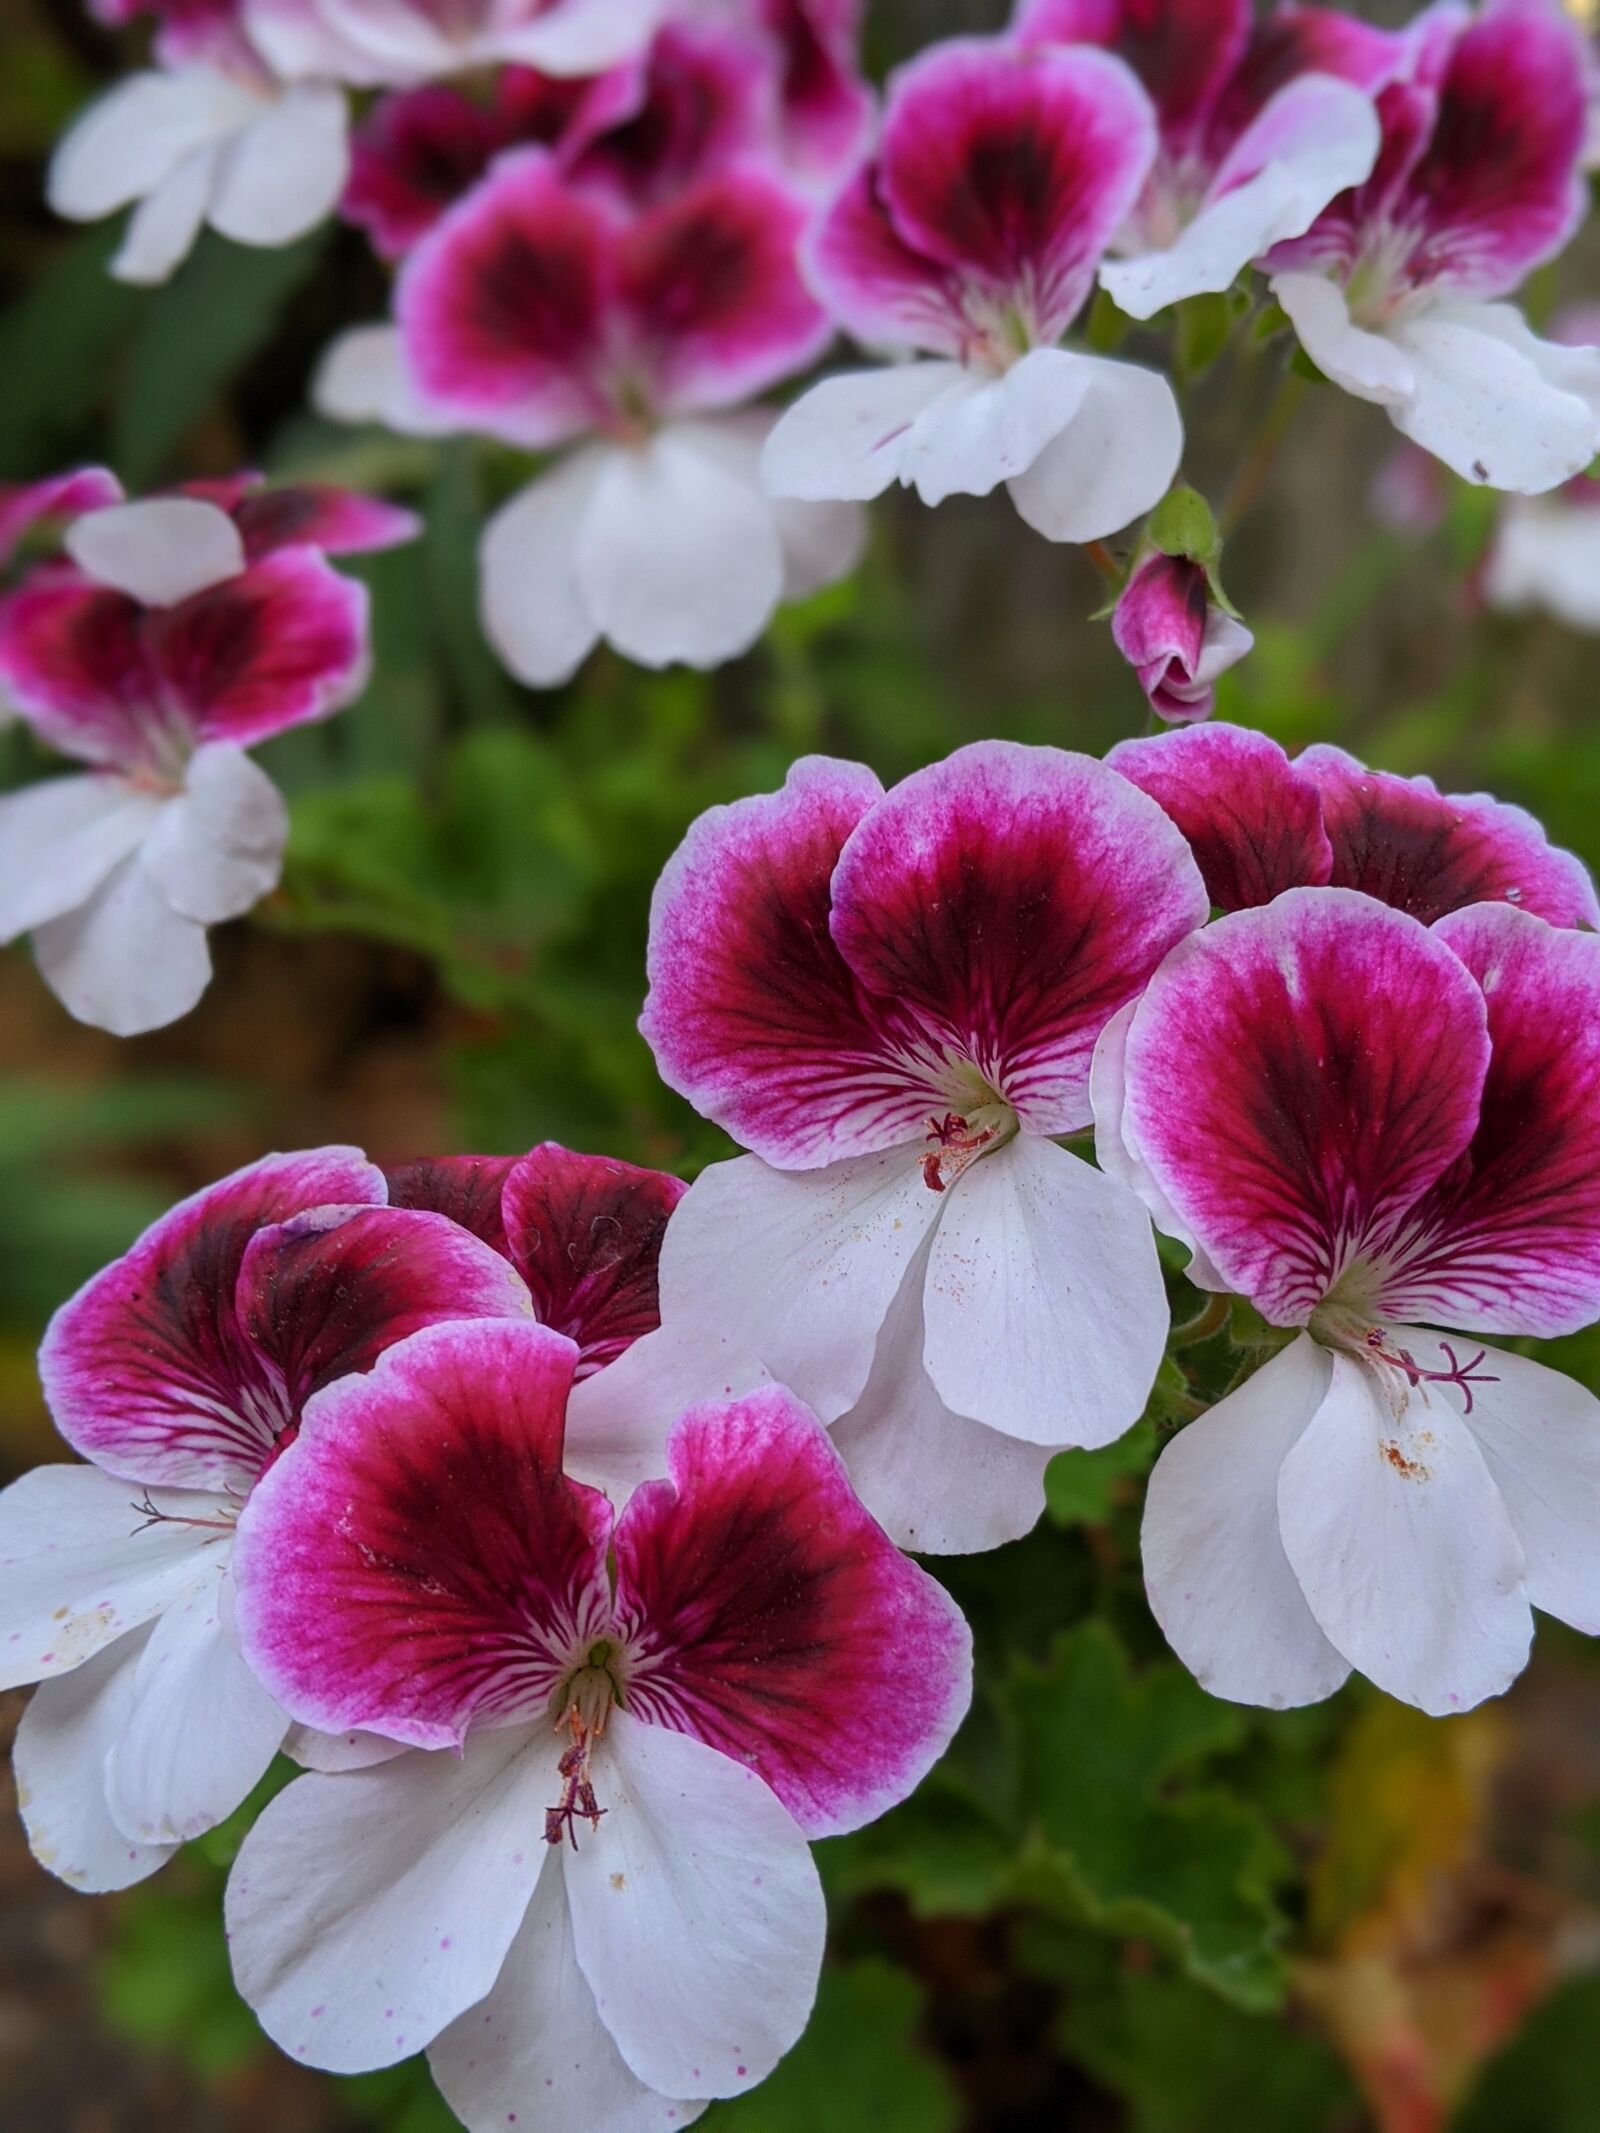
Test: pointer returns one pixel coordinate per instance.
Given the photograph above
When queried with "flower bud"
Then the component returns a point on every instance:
(1172, 632)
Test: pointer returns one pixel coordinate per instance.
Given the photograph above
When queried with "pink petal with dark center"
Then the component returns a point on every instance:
(74, 662)
(1297, 1077)
(1183, 51)
(1253, 822)
(585, 1232)
(1288, 43)
(467, 1188)
(314, 514)
(778, 1623)
(411, 157)
(824, 102)
(416, 1563)
(1012, 899)
(147, 1369)
(876, 285)
(24, 504)
(702, 103)
(1428, 852)
(1508, 1241)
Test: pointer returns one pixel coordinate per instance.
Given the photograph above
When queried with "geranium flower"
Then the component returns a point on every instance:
(824, 105)
(1168, 626)
(892, 1000)
(974, 233)
(1259, 823)
(397, 43)
(24, 505)
(180, 1372)
(1479, 180)
(542, 313)
(600, 1908)
(1262, 123)
(1373, 1129)
(175, 637)
(212, 136)
(1545, 554)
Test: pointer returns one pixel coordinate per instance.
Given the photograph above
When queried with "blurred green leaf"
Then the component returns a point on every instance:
(56, 354)
(1083, 1488)
(1547, 2080)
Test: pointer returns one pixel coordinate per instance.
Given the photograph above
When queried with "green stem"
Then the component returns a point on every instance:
(1263, 453)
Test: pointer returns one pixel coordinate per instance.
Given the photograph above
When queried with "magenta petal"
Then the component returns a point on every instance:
(1508, 1241)
(467, 1188)
(1253, 823)
(1015, 168)
(585, 1232)
(147, 1369)
(1013, 898)
(416, 1561)
(778, 1622)
(1428, 852)
(74, 662)
(315, 515)
(753, 1014)
(327, 1291)
(711, 290)
(502, 305)
(876, 285)
(703, 101)
(1289, 42)
(24, 504)
(1182, 50)
(412, 156)
(1296, 1078)
(282, 643)
(825, 104)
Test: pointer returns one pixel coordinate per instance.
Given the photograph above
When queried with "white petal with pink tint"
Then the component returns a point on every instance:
(218, 848)
(283, 173)
(1316, 137)
(82, 1563)
(696, 1912)
(65, 1735)
(1046, 1312)
(800, 1267)
(846, 438)
(201, 1730)
(619, 1419)
(676, 558)
(580, 36)
(536, 2051)
(1219, 1582)
(1114, 461)
(533, 609)
(1402, 1545)
(60, 839)
(160, 550)
(366, 1911)
(362, 378)
(126, 962)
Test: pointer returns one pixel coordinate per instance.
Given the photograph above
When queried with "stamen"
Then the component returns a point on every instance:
(151, 1515)
(577, 1794)
(958, 1147)
(1462, 1375)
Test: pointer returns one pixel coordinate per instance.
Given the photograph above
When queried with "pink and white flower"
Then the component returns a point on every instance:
(1372, 1130)
(824, 105)
(399, 43)
(601, 1906)
(974, 234)
(1393, 290)
(211, 136)
(544, 313)
(176, 636)
(58, 497)
(180, 1372)
(892, 1000)
(1168, 626)
(1262, 124)
(1259, 823)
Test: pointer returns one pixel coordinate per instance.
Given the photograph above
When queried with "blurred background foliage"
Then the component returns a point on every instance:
(1119, 1905)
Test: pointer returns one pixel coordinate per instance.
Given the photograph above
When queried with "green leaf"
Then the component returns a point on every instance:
(857, 2069)
(1114, 1836)
(1205, 327)
(1182, 524)
(1108, 326)
(1084, 1488)
(942, 1849)
(1547, 2080)
(196, 332)
(56, 347)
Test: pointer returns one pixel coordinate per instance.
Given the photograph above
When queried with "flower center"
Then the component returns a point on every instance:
(581, 1705)
(956, 1140)
(1399, 1373)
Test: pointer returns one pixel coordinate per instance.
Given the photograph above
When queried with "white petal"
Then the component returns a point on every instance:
(1113, 461)
(533, 611)
(618, 1419)
(201, 1731)
(60, 839)
(1225, 643)
(970, 441)
(821, 543)
(935, 1482)
(798, 1267)
(62, 1743)
(82, 1563)
(162, 229)
(1117, 1152)
(366, 1911)
(1539, 1433)
(580, 36)
(126, 962)
(138, 134)
(1046, 1312)
(536, 2052)
(362, 378)
(283, 173)
(1314, 139)
(218, 847)
(333, 1752)
(1369, 365)
(160, 550)
(845, 440)
(1401, 1544)
(1547, 555)
(1494, 403)
(1219, 1582)
(697, 1914)
(676, 557)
